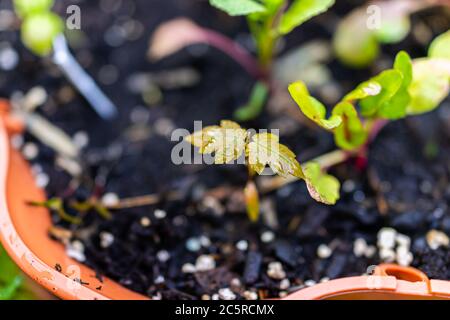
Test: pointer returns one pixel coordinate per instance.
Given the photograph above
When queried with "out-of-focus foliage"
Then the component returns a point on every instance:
(430, 85)
(11, 280)
(431, 77)
(440, 48)
(39, 26)
(359, 36)
(39, 30)
(254, 106)
(238, 8)
(271, 19)
(26, 8)
(301, 11)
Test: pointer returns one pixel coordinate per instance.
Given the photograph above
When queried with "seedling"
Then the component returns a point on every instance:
(228, 142)
(270, 20)
(42, 33)
(409, 88)
(58, 206)
(378, 22)
(412, 87)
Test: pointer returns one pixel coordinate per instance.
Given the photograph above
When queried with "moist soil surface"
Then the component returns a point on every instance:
(196, 239)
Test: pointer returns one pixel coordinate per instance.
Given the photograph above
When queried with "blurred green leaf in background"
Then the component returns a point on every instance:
(12, 281)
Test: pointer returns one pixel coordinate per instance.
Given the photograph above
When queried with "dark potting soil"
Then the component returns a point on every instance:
(202, 242)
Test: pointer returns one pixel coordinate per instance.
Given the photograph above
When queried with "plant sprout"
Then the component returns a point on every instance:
(411, 87)
(58, 206)
(269, 20)
(229, 141)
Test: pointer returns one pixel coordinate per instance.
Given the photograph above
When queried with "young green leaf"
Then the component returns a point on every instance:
(321, 186)
(390, 82)
(386, 95)
(252, 201)
(10, 278)
(26, 8)
(359, 35)
(311, 107)
(301, 11)
(39, 31)
(355, 49)
(255, 105)
(440, 47)
(227, 142)
(366, 89)
(395, 108)
(430, 85)
(403, 64)
(265, 149)
(393, 28)
(350, 134)
(238, 7)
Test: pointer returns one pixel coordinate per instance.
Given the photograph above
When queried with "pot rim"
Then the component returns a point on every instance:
(389, 281)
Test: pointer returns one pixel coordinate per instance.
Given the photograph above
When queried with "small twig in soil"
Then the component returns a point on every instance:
(61, 234)
(146, 200)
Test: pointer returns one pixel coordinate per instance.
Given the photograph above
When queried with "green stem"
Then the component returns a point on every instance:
(266, 52)
(266, 36)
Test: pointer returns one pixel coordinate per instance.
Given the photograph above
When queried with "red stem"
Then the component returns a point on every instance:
(235, 51)
(376, 129)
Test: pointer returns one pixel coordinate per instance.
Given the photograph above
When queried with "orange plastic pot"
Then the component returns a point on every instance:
(389, 282)
(23, 233)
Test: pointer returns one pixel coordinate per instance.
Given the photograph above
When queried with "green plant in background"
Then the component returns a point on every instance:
(39, 25)
(440, 48)
(269, 20)
(11, 280)
(361, 33)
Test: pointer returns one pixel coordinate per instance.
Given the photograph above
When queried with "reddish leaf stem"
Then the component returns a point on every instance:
(235, 51)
